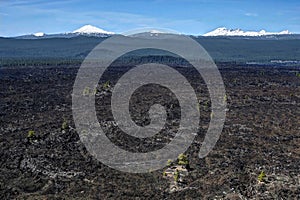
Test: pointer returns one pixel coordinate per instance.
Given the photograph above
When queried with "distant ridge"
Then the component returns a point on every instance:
(93, 31)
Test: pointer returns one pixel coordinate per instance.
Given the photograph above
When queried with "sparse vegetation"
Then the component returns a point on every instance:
(64, 125)
(86, 91)
(206, 104)
(271, 118)
(183, 160)
(106, 85)
(261, 177)
(176, 175)
(31, 135)
(89, 91)
(225, 98)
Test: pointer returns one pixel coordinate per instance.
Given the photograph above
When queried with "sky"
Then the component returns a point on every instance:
(20, 17)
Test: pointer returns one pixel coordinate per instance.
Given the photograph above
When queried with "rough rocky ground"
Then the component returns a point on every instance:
(261, 133)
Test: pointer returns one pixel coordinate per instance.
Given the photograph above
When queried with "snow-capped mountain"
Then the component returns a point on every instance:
(92, 31)
(89, 29)
(238, 32)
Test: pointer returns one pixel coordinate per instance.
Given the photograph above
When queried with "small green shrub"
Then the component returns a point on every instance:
(169, 163)
(206, 104)
(106, 85)
(261, 177)
(86, 91)
(225, 98)
(31, 135)
(64, 125)
(182, 159)
(176, 175)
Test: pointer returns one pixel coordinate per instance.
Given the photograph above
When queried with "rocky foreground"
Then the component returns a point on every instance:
(256, 157)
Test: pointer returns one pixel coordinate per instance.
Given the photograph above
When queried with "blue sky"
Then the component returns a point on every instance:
(18, 17)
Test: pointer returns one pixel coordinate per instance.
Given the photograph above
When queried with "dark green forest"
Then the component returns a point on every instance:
(65, 51)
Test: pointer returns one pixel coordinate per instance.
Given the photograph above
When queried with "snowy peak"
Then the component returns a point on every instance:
(89, 29)
(238, 32)
(39, 34)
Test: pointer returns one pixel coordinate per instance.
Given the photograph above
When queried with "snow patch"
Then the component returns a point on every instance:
(39, 34)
